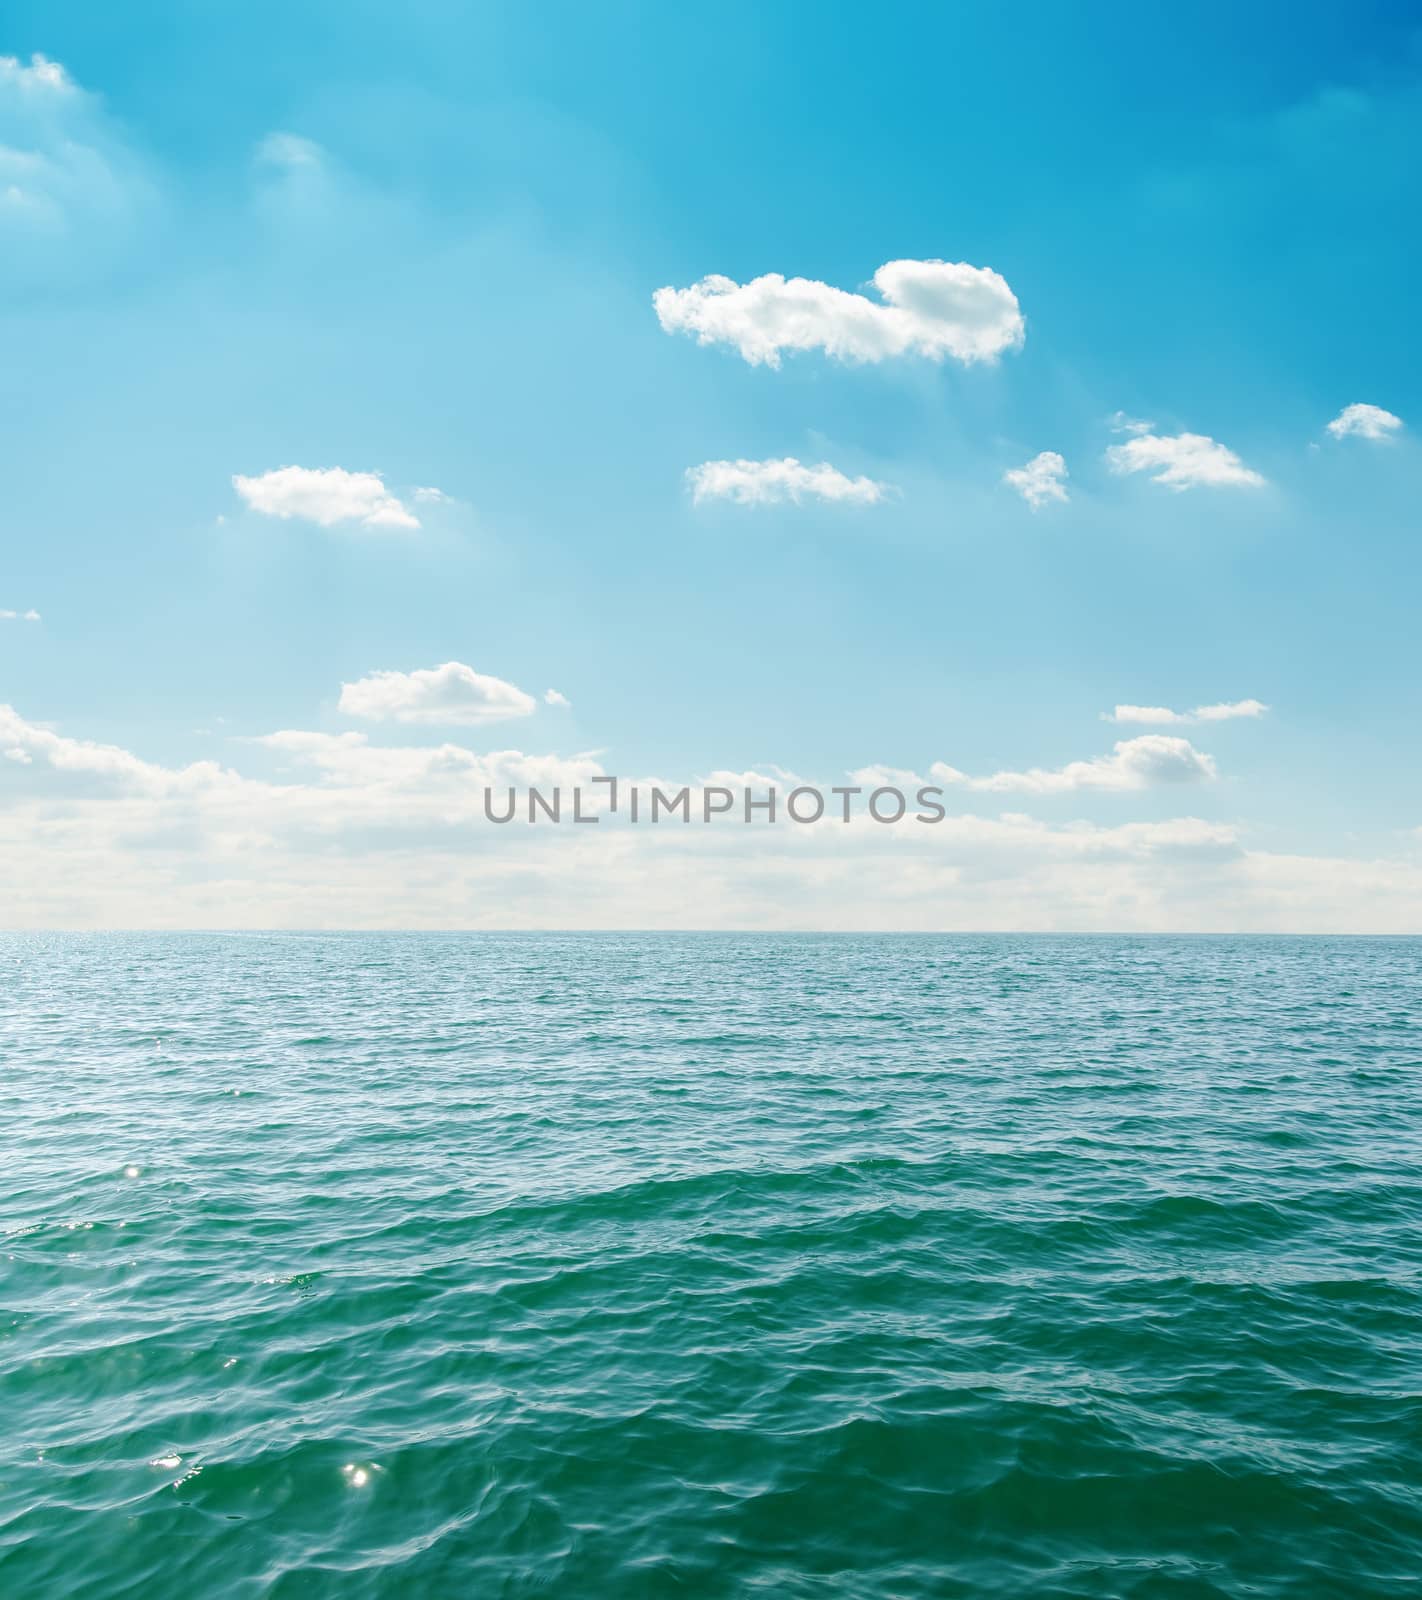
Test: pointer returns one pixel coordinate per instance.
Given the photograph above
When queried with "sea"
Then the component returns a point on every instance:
(745, 1265)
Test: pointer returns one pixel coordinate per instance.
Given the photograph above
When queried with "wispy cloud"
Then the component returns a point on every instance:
(290, 151)
(19, 616)
(1364, 422)
(451, 694)
(1120, 422)
(72, 190)
(41, 77)
(551, 697)
(1224, 711)
(928, 308)
(763, 483)
(327, 496)
(1042, 479)
(1182, 461)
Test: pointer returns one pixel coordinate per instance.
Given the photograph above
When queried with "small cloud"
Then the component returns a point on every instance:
(1224, 711)
(20, 616)
(1364, 422)
(1140, 763)
(452, 693)
(551, 697)
(326, 496)
(432, 497)
(1040, 480)
(1183, 461)
(1119, 422)
(17, 754)
(929, 308)
(763, 483)
(1156, 714)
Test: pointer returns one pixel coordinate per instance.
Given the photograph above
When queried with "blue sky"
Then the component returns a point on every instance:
(424, 242)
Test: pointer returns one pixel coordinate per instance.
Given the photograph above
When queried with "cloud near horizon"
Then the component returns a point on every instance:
(450, 694)
(764, 483)
(928, 308)
(1182, 461)
(327, 496)
(367, 836)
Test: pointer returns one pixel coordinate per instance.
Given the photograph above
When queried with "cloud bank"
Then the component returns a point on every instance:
(358, 835)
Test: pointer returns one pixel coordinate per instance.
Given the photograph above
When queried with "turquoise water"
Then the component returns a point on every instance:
(426, 1265)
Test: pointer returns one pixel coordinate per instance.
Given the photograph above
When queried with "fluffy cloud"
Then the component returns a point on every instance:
(1224, 711)
(1041, 480)
(326, 496)
(19, 616)
(1182, 461)
(551, 697)
(1364, 422)
(452, 693)
(763, 483)
(929, 308)
(1141, 763)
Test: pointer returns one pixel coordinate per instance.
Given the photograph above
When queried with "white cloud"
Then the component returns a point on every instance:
(428, 495)
(1041, 480)
(19, 616)
(930, 308)
(762, 483)
(1182, 461)
(1224, 711)
(1139, 763)
(551, 697)
(1156, 714)
(452, 693)
(1364, 422)
(325, 495)
(1227, 709)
